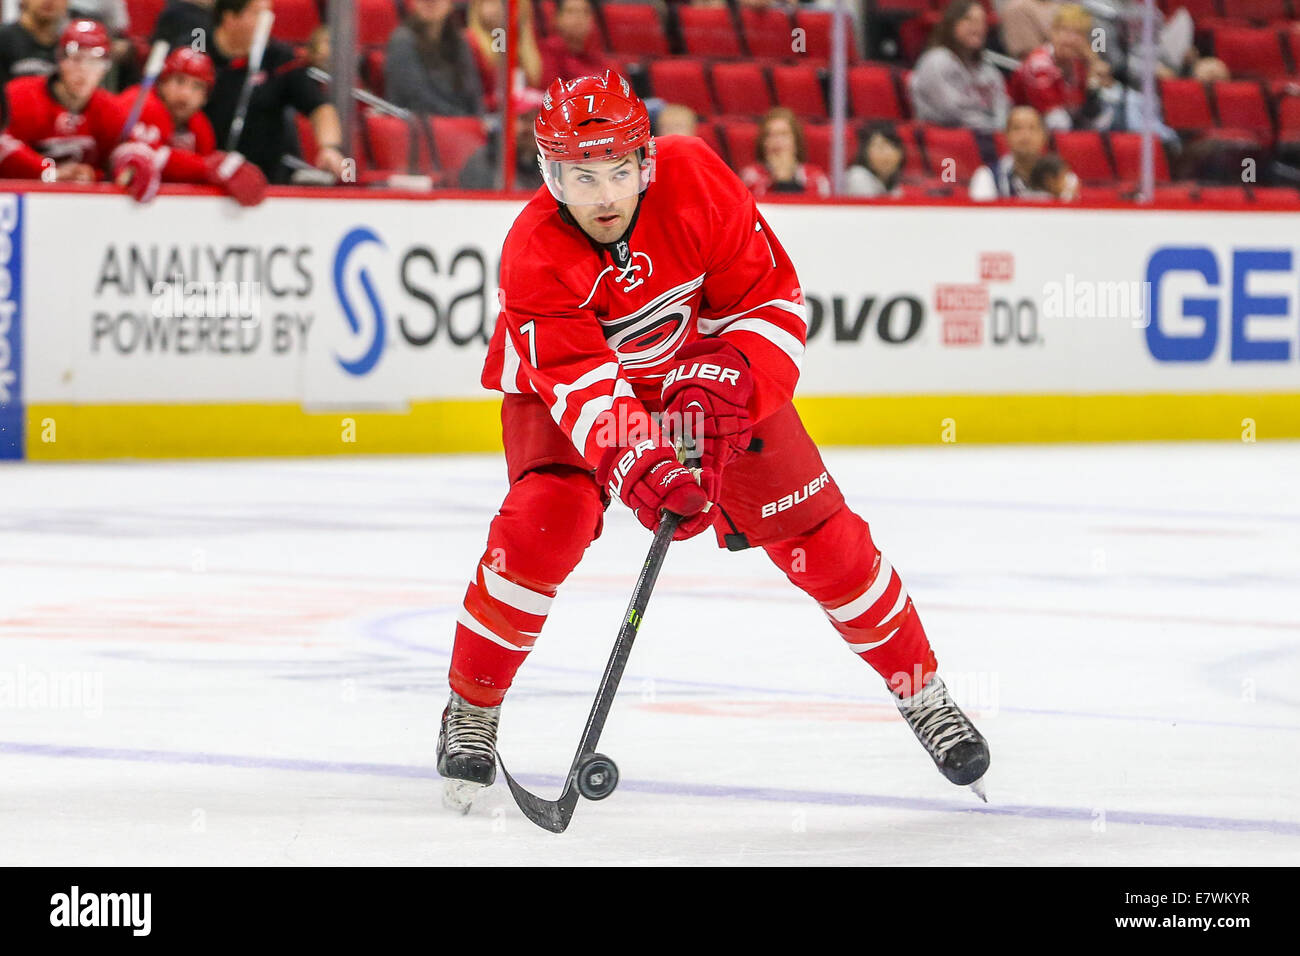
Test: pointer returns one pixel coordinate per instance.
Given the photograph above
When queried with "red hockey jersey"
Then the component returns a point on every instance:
(594, 341)
(182, 151)
(48, 129)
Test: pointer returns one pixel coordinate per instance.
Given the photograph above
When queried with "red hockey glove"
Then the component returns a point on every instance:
(706, 397)
(135, 168)
(242, 181)
(648, 478)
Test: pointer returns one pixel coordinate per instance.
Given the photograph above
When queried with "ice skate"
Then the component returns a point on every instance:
(957, 748)
(466, 751)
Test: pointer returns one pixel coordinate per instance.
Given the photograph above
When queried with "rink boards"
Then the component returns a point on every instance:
(346, 325)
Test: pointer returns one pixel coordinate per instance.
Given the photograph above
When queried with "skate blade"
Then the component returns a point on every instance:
(977, 788)
(459, 795)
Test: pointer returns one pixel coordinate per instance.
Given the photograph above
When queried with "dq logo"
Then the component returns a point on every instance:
(351, 242)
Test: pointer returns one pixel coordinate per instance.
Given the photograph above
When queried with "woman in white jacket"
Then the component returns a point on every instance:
(952, 85)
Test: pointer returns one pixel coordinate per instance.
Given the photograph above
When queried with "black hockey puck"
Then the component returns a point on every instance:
(597, 776)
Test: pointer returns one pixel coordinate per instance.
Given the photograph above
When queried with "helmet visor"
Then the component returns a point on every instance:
(597, 182)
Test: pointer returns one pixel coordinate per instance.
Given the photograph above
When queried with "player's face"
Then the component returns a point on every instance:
(601, 195)
(80, 73)
(183, 96)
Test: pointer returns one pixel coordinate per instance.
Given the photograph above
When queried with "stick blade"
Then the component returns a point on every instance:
(552, 815)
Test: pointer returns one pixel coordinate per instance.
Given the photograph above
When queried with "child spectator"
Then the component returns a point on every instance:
(1027, 142)
(1054, 79)
(782, 165)
(570, 52)
(429, 67)
(27, 44)
(879, 169)
(482, 18)
(1051, 177)
(952, 85)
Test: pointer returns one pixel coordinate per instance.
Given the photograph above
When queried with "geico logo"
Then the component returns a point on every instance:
(713, 373)
(786, 502)
(898, 319)
(1199, 285)
(8, 308)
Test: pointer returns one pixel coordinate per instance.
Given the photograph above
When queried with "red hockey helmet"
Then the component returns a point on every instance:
(584, 123)
(189, 62)
(84, 38)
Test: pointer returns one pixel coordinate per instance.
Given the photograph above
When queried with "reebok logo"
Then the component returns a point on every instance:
(75, 909)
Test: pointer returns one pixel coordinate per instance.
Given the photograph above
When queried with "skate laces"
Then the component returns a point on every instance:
(936, 719)
(472, 730)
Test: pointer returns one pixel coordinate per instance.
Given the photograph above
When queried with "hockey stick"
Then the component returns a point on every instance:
(261, 34)
(152, 67)
(378, 103)
(593, 775)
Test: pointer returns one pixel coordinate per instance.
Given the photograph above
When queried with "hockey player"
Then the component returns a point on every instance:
(643, 279)
(68, 122)
(173, 123)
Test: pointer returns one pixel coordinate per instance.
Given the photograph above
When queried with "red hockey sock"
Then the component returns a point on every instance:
(838, 564)
(537, 538)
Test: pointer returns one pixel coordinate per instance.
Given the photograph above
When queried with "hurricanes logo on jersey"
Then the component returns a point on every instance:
(656, 330)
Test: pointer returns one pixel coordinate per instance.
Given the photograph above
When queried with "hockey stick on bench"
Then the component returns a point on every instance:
(593, 775)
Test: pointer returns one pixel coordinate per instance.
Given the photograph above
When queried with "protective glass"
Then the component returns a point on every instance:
(597, 182)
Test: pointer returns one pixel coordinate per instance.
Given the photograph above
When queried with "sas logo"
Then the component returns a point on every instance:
(1199, 296)
(414, 297)
(11, 326)
(376, 321)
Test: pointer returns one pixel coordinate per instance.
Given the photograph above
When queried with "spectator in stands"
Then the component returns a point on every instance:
(265, 140)
(1054, 79)
(1051, 177)
(1026, 25)
(782, 160)
(429, 66)
(481, 169)
(483, 17)
(27, 44)
(1027, 142)
(879, 169)
(318, 48)
(1121, 107)
(952, 85)
(570, 52)
(674, 119)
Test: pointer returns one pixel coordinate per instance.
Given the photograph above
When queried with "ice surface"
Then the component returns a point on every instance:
(252, 660)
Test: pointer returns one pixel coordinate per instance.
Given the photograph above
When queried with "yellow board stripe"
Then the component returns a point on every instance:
(65, 432)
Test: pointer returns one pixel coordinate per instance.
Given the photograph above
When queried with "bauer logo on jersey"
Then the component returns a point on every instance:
(656, 330)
